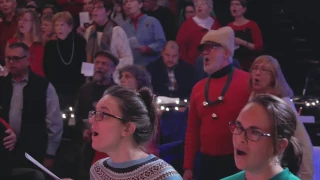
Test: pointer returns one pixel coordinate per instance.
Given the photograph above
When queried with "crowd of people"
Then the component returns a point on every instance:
(241, 121)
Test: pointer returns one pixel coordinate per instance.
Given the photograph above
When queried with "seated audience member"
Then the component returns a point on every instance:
(164, 15)
(63, 59)
(8, 26)
(266, 77)
(105, 34)
(193, 29)
(145, 33)
(170, 75)
(264, 145)
(134, 77)
(29, 33)
(123, 122)
(89, 94)
(30, 104)
(247, 33)
(47, 29)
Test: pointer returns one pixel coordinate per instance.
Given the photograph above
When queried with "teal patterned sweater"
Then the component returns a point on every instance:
(149, 168)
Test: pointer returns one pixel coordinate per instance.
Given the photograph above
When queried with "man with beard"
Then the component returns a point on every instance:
(214, 102)
(89, 94)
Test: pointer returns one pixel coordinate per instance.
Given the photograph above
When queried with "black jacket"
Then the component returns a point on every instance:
(184, 74)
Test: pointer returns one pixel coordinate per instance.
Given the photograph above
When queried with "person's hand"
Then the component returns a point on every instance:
(87, 135)
(143, 49)
(48, 163)
(240, 42)
(10, 140)
(81, 30)
(188, 174)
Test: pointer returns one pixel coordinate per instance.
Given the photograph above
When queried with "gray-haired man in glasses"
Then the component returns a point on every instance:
(30, 105)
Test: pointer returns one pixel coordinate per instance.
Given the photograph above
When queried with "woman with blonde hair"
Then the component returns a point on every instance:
(63, 59)
(266, 77)
(29, 33)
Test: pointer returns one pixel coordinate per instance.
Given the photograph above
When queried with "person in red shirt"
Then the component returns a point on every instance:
(8, 26)
(248, 35)
(193, 29)
(214, 102)
(29, 33)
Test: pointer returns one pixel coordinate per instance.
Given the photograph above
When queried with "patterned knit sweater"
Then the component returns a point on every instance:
(149, 168)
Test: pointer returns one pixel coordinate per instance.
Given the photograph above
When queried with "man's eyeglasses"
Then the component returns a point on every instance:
(250, 133)
(98, 116)
(14, 58)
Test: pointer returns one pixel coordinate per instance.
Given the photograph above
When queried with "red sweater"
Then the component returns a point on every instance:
(36, 57)
(255, 33)
(189, 38)
(213, 137)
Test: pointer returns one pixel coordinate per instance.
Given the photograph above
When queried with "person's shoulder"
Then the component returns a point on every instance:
(165, 170)
(237, 176)
(199, 86)
(154, 64)
(86, 86)
(252, 23)
(241, 74)
(186, 64)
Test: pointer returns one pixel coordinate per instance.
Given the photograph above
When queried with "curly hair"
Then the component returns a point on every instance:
(140, 73)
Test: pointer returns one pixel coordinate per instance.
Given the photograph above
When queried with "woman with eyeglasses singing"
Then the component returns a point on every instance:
(122, 123)
(264, 145)
(267, 78)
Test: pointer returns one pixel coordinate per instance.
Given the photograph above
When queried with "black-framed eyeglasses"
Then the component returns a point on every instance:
(205, 48)
(14, 58)
(250, 133)
(98, 116)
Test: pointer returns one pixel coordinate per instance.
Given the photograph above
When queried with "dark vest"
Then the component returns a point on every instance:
(33, 133)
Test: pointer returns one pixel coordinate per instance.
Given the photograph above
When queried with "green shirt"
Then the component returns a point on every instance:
(284, 175)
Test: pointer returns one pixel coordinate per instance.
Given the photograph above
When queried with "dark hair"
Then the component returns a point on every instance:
(21, 45)
(139, 108)
(107, 4)
(242, 2)
(140, 73)
(108, 55)
(284, 125)
(54, 10)
(123, 14)
(187, 4)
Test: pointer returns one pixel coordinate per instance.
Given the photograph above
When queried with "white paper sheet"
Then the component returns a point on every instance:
(84, 18)
(134, 42)
(41, 166)
(87, 69)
